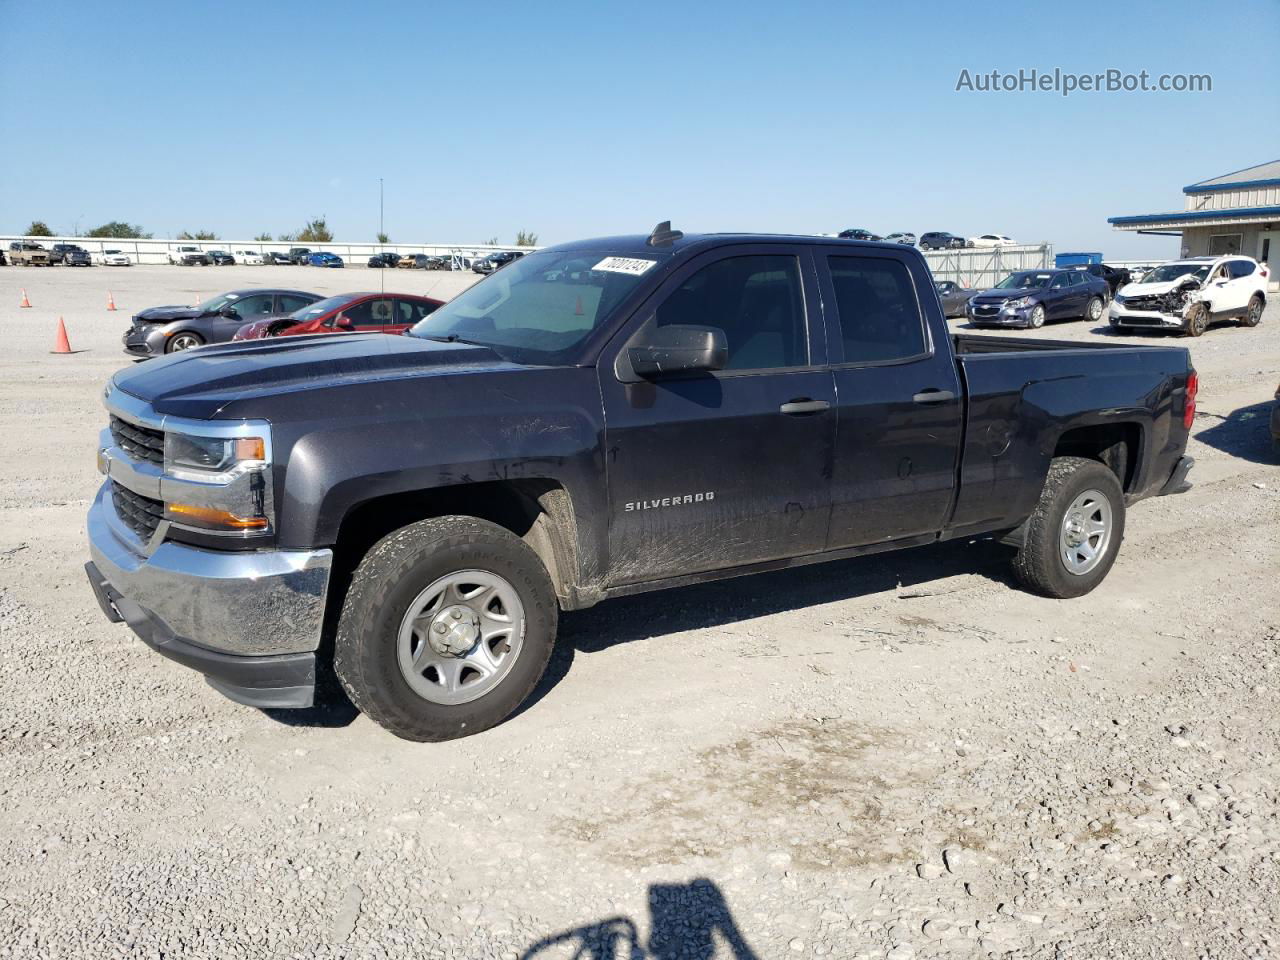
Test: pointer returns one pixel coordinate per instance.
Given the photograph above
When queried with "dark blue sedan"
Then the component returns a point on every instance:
(1028, 298)
(322, 259)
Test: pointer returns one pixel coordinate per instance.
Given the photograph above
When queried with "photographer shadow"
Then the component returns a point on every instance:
(686, 920)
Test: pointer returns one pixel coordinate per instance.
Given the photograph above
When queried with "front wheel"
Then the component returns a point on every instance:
(1094, 310)
(183, 341)
(1072, 538)
(1037, 317)
(1253, 313)
(446, 629)
(1197, 321)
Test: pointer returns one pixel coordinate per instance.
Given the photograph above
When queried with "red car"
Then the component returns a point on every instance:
(347, 313)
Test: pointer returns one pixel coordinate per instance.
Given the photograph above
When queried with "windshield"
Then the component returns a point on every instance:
(1024, 280)
(1172, 271)
(321, 307)
(217, 303)
(540, 306)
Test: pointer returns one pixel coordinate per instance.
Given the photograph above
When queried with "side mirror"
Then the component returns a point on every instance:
(680, 348)
(229, 313)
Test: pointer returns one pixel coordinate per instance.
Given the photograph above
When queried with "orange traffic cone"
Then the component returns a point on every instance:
(26, 304)
(62, 344)
(111, 301)
(577, 310)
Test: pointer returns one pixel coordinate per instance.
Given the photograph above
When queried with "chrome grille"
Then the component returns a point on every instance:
(141, 443)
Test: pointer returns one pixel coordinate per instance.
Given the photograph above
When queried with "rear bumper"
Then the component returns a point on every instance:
(1177, 482)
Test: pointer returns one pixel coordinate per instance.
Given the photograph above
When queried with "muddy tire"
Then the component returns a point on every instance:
(1252, 313)
(1197, 321)
(446, 629)
(1074, 535)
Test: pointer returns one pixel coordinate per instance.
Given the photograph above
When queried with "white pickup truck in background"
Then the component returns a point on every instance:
(187, 256)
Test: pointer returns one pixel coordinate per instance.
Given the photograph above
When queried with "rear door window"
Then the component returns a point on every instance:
(1241, 268)
(290, 303)
(880, 317)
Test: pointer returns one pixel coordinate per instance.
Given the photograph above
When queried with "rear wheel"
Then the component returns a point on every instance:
(1197, 320)
(1072, 538)
(1253, 313)
(1094, 310)
(446, 629)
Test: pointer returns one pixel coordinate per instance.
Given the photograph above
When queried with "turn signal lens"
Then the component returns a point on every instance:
(215, 519)
(250, 448)
(1189, 404)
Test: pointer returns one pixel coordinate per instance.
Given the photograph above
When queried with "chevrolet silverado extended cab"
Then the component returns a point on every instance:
(594, 420)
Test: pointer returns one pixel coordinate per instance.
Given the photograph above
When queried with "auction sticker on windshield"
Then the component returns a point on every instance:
(632, 265)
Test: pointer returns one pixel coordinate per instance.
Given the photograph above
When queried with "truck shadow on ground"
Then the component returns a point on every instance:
(686, 920)
(682, 609)
(1243, 433)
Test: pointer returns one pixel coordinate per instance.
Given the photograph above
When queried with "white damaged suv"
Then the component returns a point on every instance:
(1190, 294)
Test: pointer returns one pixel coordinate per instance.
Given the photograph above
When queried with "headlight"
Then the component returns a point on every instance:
(1117, 299)
(212, 459)
(1019, 303)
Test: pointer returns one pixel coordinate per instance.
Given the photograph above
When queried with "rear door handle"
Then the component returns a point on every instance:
(933, 396)
(802, 405)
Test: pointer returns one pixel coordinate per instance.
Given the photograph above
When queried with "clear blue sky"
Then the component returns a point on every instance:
(578, 119)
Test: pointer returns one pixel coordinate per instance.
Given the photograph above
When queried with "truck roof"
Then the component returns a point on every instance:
(639, 244)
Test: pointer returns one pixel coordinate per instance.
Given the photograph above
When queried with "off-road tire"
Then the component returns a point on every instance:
(1197, 321)
(390, 577)
(1038, 564)
(1252, 313)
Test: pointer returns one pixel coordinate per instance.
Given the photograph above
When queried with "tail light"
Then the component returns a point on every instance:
(1189, 406)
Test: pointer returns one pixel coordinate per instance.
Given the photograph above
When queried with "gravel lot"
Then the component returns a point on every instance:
(894, 757)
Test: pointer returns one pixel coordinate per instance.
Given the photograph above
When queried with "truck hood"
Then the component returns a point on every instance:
(166, 314)
(199, 383)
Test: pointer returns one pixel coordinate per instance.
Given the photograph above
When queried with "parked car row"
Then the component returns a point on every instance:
(1185, 296)
(257, 313)
(934, 240)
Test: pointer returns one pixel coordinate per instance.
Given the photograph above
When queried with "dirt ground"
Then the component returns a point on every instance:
(902, 756)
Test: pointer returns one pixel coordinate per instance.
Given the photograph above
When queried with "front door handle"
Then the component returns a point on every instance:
(933, 396)
(802, 405)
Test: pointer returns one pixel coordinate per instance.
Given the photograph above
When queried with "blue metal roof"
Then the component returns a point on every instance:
(1199, 215)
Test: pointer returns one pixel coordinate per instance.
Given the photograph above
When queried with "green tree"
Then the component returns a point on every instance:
(316, 231)
(115, 230)
(526, 239)
(198, 235)
(287, 237)
(491, 242)
(38, 228)
(263, 236)
(383, 238)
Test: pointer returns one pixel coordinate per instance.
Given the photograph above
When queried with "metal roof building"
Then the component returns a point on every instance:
(1234, 213)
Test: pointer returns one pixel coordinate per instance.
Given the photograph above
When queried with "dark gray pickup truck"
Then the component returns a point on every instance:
(593, 420)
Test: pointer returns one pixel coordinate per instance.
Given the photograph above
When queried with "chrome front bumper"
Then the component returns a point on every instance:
(244, 603)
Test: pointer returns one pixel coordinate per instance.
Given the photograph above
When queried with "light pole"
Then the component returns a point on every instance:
(382, 274)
